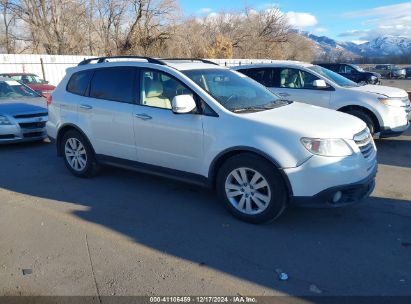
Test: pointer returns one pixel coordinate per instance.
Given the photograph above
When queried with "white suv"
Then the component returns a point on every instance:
(198, 122)
(385, 110)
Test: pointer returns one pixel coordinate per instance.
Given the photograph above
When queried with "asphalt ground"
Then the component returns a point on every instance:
(127, 233)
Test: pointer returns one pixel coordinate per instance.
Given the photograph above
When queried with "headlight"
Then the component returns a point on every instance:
(394, 102)
(4, 121)
(327, 147)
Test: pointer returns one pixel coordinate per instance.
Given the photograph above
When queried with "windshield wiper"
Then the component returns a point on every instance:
(246, 109)
(268, 106)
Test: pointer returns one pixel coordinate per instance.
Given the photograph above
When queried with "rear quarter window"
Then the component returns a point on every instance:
(79, 82)
(115, 84)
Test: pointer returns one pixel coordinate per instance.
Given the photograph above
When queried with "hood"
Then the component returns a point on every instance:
(20, 108)
(381, 90)
(41, 86)
(36, 101)
(310, 121)
(375, 74)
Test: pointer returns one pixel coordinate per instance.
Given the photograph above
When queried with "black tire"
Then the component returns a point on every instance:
(90, 167)
(365, 118)
(278, 190)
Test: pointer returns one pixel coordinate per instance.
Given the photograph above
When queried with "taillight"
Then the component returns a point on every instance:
(49, 100)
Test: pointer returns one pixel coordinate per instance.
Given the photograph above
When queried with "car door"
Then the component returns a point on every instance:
(297, 85)
(107, 112)
(165, 139)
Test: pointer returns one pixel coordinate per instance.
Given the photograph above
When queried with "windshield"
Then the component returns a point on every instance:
(235, 91)
(334, 77)
(358, 68)
(28, 79)
(10, 89)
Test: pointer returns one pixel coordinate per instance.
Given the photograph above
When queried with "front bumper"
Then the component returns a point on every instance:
(315, 182)
(22, 139)
(388, 132)
(348, 194)
(395, 121)
(10, 134)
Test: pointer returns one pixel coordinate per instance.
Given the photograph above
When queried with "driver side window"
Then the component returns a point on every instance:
(296, 79)
(346, 69)
(158, 89)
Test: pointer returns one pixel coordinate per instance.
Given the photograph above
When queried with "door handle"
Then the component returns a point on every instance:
(86, 107)
(284, 94)
(144, 116)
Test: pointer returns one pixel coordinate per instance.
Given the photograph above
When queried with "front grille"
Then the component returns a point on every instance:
(365, 143)
(31, 115)
(33, 134)
(32, 125)
(7, 136)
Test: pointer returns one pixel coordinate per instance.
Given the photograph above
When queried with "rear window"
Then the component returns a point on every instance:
(79, 81)
(113, 84)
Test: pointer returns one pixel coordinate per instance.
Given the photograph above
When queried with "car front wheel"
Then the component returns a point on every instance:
(252, 188)
(365, 118)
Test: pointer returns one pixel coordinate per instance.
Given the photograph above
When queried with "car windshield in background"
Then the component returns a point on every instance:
(28, 79)
(359, 69)
(334, 77)
(235, 91)
(10, 89)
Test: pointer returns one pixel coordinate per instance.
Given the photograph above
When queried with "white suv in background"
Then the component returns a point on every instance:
(198, 122)
(385, 110)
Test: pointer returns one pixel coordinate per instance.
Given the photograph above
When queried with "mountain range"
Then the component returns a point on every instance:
(379, 47)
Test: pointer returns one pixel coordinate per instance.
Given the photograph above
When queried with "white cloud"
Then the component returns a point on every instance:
(359, 41)
(388, 10)
(205, 10)
(300, 20)
(383, 20)
(320, 30)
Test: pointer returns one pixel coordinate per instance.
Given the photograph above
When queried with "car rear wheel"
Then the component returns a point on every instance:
(252, 188)
(78, 155)
(365, 118)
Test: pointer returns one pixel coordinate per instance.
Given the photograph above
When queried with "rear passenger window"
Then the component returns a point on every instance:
(113, 84)
(78, 82)
(265, 76)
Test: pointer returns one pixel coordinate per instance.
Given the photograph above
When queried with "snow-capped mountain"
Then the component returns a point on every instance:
(385, 46)
(382, 46)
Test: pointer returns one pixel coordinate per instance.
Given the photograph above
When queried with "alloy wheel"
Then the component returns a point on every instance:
(76, 154)
(248, 191)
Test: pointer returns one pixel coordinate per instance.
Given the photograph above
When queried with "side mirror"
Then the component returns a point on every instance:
(182, 104)
(320, 84)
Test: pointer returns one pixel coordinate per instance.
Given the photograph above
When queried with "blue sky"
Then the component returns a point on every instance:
(347, 20)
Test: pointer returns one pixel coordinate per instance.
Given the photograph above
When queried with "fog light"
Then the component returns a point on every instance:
(337, 196)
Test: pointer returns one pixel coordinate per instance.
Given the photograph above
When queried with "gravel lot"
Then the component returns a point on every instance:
(125, 233)
(404, 84)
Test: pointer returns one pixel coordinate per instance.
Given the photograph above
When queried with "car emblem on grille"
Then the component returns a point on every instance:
(363, 137)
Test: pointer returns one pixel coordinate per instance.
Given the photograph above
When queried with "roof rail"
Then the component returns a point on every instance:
(104, 59)
(189, 59)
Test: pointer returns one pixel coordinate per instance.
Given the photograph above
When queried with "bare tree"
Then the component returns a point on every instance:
(8, 21)
(150, 25)
(55, 26)
(106, 19)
